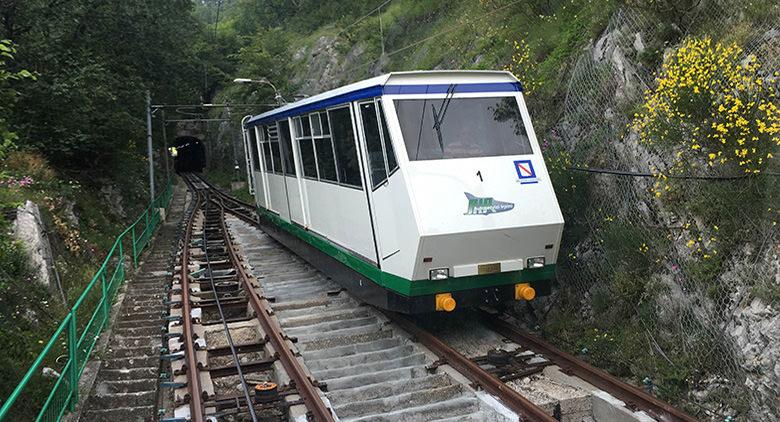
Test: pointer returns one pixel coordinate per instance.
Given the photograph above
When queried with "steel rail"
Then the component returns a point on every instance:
(225, 327)
(514, 400)
(601, 379)
(309, 393)
(473, 372)
(193, 375)
(633, 396)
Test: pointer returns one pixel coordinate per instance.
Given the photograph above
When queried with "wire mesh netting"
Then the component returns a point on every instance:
(671, 271)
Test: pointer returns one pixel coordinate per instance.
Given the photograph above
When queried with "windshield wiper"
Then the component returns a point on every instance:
(438, 117)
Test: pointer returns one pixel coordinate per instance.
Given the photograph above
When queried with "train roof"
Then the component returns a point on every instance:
(413, 82)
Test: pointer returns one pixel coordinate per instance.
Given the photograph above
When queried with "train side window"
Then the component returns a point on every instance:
(376, 155)
(298, 127)
(325, 123)
(343, 133)
(276, 155)
(392, 163)
(325, 160)
(267, 155)
(253, 147)
(316, 128)
(306, 148)
(266, 146)
(286, 146)
(308, 161)
(306, 125)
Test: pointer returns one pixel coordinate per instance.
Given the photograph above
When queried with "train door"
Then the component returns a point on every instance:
(385, 190)
(248, 133)
(274, 174)
(250, 154)
(259, 169)
(291, 174)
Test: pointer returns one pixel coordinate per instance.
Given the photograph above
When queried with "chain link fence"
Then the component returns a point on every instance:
(681, 290)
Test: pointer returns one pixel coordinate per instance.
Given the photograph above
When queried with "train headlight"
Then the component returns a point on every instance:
(439, 274)
(535, 262)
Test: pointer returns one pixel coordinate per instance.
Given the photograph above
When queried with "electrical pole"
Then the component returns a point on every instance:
(149, 150)
(165, 146)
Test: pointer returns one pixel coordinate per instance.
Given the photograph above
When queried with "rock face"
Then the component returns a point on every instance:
(322, 64)
(113, 197)
(324, 67)
(754, 327)
(756, 330)
(29, 229)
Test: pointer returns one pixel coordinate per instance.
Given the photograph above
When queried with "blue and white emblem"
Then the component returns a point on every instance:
(525, 172)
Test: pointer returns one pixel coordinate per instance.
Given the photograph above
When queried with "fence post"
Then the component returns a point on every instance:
(135, 259)
(73, 358)
(122, 257)
(106, 298)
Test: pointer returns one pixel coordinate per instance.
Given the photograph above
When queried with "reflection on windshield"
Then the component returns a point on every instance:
(474, 127)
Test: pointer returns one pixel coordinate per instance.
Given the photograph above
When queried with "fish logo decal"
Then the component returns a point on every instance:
(485, 206)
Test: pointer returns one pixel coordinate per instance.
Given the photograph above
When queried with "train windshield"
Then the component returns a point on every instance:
(435, 129)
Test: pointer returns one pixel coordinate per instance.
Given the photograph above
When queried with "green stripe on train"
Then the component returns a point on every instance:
(402, 285)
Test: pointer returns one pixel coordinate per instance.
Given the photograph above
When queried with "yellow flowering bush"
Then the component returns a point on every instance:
(523, 67)
(714, 107)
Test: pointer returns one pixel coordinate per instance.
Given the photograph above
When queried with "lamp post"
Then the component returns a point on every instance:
(150, 158)
(278, 97)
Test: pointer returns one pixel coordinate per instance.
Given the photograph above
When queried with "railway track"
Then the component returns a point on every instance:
(222, 343)
(364, 364)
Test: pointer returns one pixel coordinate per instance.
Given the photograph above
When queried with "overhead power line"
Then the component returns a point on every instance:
(655, 175)
(436, 35)
(374, 10)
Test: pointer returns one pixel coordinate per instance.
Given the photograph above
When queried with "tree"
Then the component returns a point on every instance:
(94, 61)
(8, 95)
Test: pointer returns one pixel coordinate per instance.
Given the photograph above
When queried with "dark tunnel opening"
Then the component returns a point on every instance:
(190, 154)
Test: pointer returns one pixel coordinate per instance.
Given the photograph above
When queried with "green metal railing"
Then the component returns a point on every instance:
(73, 343)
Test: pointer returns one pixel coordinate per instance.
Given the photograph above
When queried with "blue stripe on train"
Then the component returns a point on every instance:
(459, 88)
(378, 90)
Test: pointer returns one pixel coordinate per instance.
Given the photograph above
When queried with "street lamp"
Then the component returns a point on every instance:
(278, 97)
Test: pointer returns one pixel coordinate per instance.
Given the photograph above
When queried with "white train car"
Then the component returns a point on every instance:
(422, 191)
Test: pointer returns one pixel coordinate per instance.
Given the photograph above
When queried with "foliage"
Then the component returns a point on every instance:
(523, 67)
(8, 95)
(93, 62)
(712, 106)
(27, 314)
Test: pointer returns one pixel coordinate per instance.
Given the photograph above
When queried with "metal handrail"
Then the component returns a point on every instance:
(64, 392)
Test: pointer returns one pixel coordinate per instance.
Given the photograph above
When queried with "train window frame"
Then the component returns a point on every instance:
(317, 127)
(300, 139)
(316, 140)
(412, 122)
(285, 140)
(324, 114)
(371, 152)
(355, 141)
(254, 148)
(385, 142)
(266, 147)
(276, 152)
(386, 138)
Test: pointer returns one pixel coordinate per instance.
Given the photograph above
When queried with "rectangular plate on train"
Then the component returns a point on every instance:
(494, 267)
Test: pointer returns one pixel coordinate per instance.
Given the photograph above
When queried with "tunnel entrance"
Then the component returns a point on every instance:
(190, 154)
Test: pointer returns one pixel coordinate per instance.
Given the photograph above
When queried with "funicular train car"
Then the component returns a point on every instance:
(423, 191)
